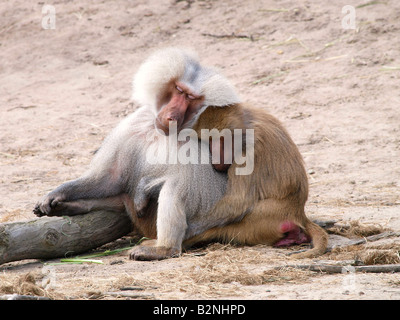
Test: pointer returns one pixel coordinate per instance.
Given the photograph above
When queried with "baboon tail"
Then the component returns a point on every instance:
(319, 240)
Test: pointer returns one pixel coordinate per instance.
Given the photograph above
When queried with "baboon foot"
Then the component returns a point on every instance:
(146, 252)
(49, 206)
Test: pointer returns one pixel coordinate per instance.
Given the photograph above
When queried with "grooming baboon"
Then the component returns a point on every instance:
(265, 206)
(273, 195)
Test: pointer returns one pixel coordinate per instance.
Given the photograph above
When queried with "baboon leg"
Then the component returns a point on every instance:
(72, 208)
(268, 223)
(146, 225)
(272, 222)
(260, 226)
(171, 227)
(88, 187)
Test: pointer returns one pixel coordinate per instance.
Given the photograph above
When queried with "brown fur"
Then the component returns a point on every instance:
(146, 223)
(275, 192)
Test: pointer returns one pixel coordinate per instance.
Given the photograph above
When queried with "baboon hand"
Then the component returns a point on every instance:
(49, 205)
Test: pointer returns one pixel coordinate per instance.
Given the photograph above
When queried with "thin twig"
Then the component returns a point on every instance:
(386, 234)
(370, 3)
(384, 268)
(274, 10)
(130, 295)
(22, 107)
(229, 36)
(389, 68)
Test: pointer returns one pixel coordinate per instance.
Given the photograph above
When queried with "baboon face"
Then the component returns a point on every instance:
(178, 104)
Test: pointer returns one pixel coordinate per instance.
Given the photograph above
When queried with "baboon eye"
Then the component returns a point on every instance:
(190, 97)
(179, 89)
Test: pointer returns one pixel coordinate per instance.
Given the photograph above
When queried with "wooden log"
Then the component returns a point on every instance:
(53, 237)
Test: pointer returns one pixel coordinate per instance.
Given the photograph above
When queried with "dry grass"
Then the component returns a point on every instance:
(362, 254)
(25, 284)
(217, 271)
(379, 256)
(355, 229)
(232, 266)
(221, 272)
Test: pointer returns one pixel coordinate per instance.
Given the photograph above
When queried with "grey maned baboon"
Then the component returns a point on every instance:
(263, 206)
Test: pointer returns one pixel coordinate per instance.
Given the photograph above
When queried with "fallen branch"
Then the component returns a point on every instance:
(326, 268)
(54, 237)
(130, 295)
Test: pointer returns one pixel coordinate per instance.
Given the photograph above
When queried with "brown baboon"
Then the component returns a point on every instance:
(264, 205)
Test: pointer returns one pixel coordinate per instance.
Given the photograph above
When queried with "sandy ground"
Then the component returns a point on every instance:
(336, 90)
